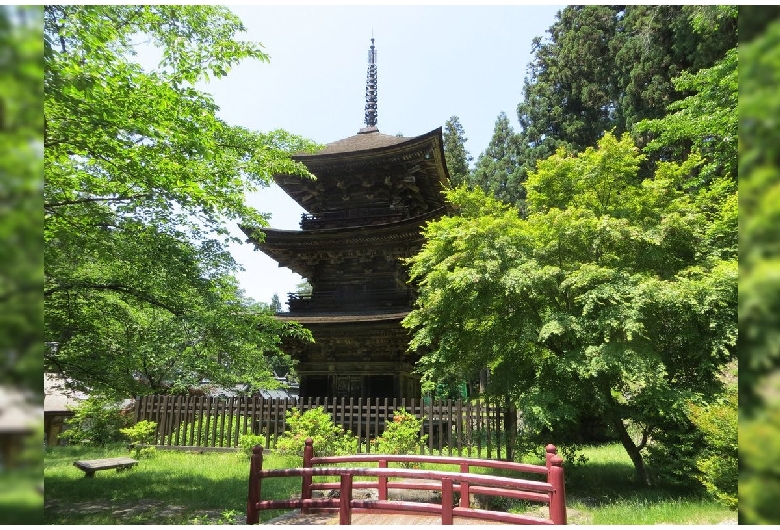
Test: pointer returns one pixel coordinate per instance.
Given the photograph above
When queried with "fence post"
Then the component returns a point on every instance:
(308, 454)
(446, 501)
(464, 487)
(345, 500)
(137, 409)
(255, 466)
(558, 495)
(383, 482)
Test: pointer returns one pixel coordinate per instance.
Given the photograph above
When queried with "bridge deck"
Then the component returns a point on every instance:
(296, 518)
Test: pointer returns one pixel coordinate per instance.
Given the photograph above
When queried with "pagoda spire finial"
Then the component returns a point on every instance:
(371, 98)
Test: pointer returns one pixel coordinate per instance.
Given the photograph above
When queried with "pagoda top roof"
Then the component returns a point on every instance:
(351, 170)
(368, 142)
(367, 138)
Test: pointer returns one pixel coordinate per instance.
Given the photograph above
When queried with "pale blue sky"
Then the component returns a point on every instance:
(433, 62)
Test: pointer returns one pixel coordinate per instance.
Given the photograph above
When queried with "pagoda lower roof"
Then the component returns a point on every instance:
(342, 318)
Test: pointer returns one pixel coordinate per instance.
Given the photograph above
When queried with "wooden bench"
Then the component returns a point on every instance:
(90, 466)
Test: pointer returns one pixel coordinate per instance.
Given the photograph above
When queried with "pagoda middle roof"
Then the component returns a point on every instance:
(294, 248)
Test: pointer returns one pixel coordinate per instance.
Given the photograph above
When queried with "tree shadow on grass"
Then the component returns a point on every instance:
(602, 483)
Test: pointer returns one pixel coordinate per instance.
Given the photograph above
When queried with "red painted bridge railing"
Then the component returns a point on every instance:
(550, 491)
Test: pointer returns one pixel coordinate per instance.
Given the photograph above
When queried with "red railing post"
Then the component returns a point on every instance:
(255, 466)
(464, 487)
(549, 451)
(345, 500)
(308, 454)
(446, 501)
(558, 495)
(383, 482)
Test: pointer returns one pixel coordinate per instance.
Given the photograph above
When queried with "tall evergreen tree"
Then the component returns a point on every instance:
(455, 153)
(498, 171)
(654, 44)
(605, 68)
(276, 304)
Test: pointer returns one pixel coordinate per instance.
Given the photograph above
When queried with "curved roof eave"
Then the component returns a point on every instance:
(365, 144)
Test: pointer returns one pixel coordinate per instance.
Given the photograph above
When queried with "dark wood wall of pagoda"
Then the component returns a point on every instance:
(365, 211)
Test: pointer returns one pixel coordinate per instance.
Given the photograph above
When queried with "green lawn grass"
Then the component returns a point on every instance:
(605, 491)
(20, 499)
(174, 487)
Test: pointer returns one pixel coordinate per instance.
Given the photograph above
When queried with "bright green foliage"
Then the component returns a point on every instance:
(616, 297)
(718, 466)
(705, 121)
(759, 204)
(759, 265)
(329, 439)
(141, 181)
(402, 435)
(96, 421)
(248, 441)
(141, 433)
(21, 165)
(498, 170)
(759, 459)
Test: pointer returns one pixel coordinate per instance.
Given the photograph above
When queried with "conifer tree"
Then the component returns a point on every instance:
(498, 171)
(455, 153)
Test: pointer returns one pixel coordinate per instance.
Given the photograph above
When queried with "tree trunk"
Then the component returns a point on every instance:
(633, 452)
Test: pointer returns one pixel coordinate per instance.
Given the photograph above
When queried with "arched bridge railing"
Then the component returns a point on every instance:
(550, 491)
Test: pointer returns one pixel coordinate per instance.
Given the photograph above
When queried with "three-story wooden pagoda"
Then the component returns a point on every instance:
(372, 195)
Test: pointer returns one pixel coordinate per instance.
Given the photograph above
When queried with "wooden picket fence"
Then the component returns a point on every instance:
(471, 428)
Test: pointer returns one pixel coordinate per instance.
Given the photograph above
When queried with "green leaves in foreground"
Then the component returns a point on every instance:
(614, 297)
(141, 180)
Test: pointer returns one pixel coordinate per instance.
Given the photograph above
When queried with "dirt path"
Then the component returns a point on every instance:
(150, 511)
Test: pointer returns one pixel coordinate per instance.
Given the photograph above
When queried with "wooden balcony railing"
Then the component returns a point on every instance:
(334, 300)
(351, 217)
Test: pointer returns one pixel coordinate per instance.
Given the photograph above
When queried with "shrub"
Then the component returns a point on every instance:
(759, 460)
(718, 463)
(141, 433)
(329, 439)
(96, 421)
(247, 441)
(401, 436)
